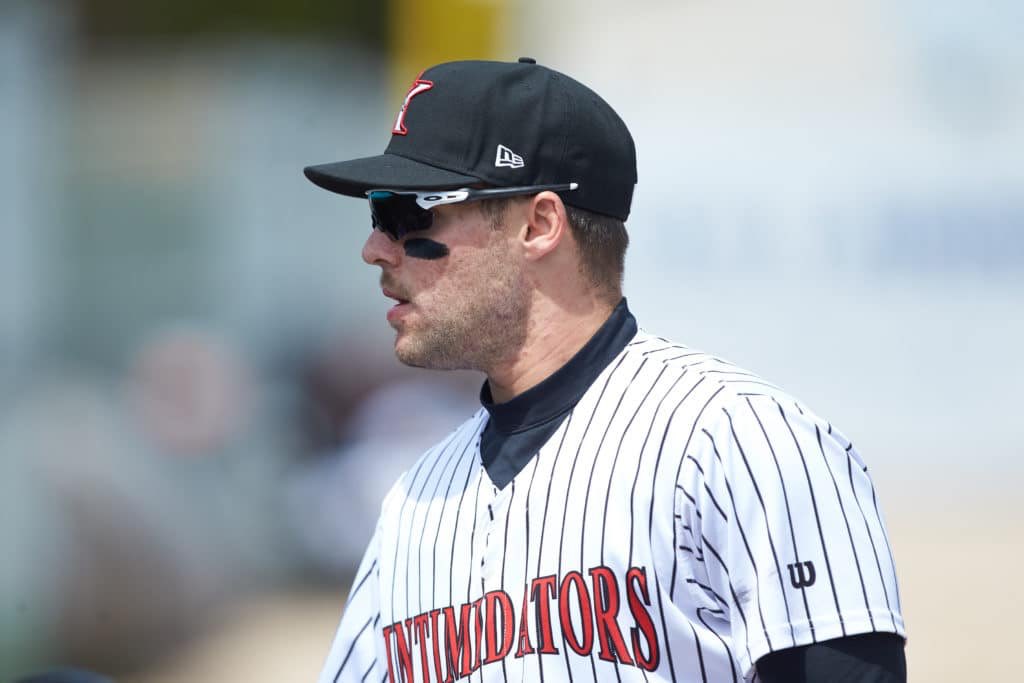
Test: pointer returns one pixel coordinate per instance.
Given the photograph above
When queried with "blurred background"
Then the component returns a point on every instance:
(199, 408)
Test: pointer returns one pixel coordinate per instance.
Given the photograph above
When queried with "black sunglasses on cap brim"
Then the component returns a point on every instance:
(396, 213)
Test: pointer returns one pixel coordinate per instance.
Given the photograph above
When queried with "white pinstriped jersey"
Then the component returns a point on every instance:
(685, 519)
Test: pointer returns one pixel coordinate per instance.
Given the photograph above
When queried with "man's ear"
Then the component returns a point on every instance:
(546, 225)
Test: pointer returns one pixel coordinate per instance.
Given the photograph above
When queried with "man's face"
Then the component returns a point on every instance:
(465, 310)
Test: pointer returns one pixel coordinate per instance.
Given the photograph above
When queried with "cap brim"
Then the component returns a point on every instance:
(353, 178)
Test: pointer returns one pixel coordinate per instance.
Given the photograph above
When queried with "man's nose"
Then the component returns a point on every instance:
(380, 250)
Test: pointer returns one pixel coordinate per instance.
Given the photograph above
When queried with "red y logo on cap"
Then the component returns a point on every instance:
(418, 86)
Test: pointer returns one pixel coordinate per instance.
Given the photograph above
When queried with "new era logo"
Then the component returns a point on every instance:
(507, 158)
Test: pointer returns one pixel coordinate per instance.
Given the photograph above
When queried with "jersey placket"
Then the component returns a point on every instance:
(492, 561)
(493, 517)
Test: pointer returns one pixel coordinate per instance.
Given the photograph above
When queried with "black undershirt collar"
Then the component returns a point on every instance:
(519, 427)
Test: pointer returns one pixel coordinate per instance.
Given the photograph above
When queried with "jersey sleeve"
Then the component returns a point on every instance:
(782, 530)
(353, 655)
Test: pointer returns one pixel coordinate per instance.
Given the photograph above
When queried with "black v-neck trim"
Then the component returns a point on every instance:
(518, 428)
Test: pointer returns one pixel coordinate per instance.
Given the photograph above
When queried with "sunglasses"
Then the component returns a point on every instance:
(396, 213)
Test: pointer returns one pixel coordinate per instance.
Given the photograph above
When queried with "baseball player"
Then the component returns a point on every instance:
(621, 507)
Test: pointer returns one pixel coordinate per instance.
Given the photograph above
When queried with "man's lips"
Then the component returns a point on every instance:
(400, 306)
(394, 295)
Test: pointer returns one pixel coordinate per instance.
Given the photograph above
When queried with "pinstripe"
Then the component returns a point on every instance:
(359, 584)
(543, 525)
(817, 516)
(690, 498)
(728, 650)
(643, 449)
(741, 373)
(597, 454)
(683, 355)
(419, 549)
(709, 589)
(526, 525)
(888, 547)
(749, 381)
(789, 512)
(593, 468)
(700, 655)
(707, 489)
(867, 528)
(572, 471)
(440, 517)
(732, 591)
(697, 556)
(714, 593)
(650, 523)
(618, 451)
(398, 542)
(686, 446)
(508, 518)
(849, 534)
(472, 538)
(669, 346)
(351, 648)
(455, 528)
(768, 529)
(746, 546)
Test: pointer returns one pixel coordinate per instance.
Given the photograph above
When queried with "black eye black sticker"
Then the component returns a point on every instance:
(420, 247)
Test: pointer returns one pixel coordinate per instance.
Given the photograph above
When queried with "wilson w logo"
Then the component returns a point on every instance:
(801, 574)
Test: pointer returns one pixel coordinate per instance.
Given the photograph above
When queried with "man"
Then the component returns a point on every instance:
(621, 507)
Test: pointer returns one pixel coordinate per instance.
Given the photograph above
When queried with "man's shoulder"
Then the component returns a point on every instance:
(653, 348)
(717, 384)
(720, 398)
(702, 366)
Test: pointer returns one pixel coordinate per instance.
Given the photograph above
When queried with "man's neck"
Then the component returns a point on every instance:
(554, 337)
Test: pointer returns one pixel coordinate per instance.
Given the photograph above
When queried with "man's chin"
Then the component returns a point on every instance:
(407, 354)
(415, 356)
(410, 360)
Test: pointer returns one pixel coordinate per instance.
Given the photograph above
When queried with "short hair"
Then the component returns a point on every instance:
(602, 242)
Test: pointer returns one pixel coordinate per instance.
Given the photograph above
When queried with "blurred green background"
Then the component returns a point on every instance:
(199, 409)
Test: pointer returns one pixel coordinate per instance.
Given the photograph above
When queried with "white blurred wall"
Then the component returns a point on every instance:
(832, 194)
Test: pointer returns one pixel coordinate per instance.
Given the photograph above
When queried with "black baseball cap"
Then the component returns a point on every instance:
(504, 125)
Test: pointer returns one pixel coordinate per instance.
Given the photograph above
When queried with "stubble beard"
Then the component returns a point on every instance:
(478, 329)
